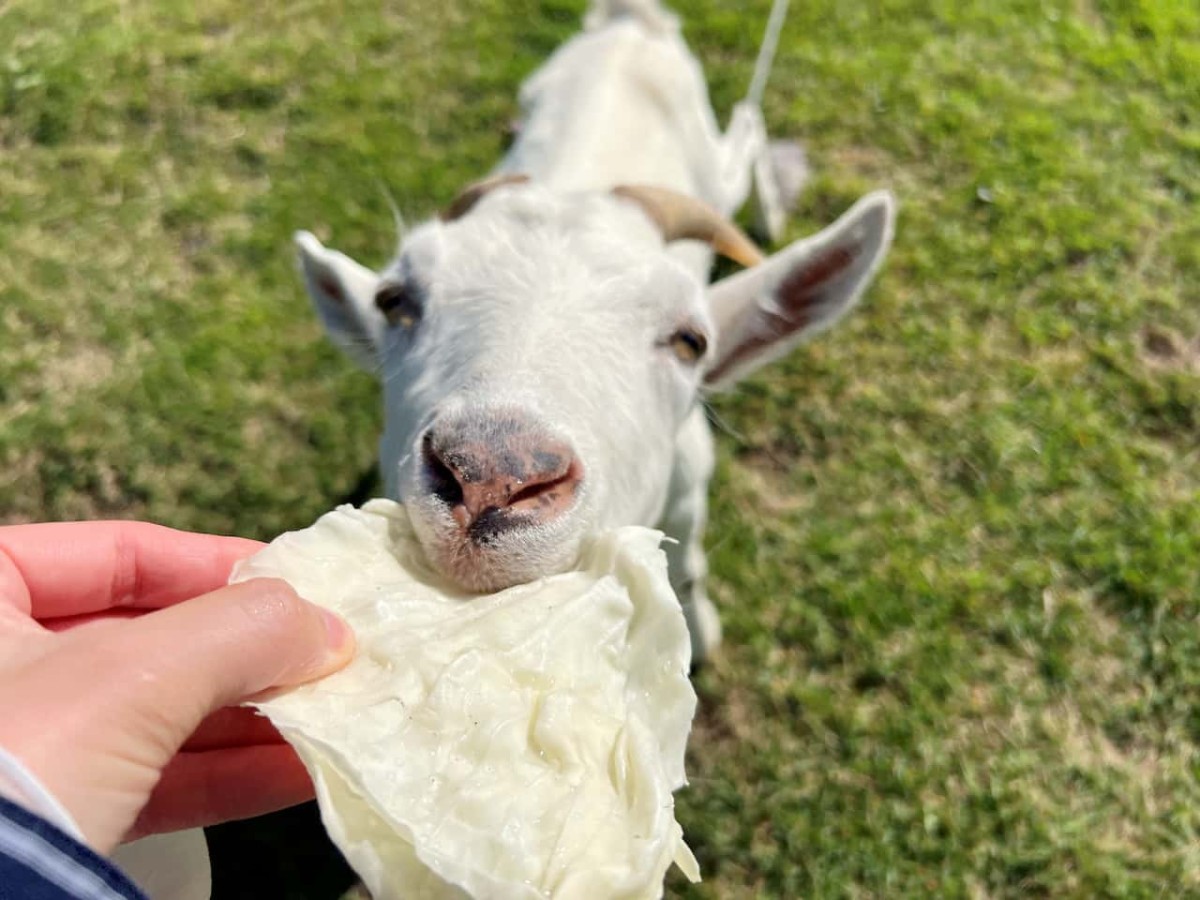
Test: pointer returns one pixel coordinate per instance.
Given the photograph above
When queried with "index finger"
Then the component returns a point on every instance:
(72, 568)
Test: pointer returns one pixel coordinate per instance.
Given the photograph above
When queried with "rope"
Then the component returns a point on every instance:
(766, 53)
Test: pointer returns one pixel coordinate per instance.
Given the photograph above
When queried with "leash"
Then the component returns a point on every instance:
(766, 53)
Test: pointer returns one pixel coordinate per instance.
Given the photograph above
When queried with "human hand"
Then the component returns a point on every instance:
(120, 644)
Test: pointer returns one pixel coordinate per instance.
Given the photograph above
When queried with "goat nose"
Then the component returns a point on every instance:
(511, 477)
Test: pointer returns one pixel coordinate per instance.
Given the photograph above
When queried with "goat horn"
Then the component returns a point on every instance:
(473, 193)
(679, 216)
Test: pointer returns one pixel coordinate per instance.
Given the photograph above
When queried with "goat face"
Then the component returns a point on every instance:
(538, 357)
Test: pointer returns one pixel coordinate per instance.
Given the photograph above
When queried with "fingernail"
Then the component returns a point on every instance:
(337, 631)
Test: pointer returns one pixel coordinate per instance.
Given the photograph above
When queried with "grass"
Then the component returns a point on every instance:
(956, 543)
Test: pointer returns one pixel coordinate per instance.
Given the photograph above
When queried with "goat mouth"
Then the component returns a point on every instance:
(491, 524)
(499, 548)
(488, 565)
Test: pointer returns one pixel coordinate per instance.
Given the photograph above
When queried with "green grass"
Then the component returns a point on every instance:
(956, 543)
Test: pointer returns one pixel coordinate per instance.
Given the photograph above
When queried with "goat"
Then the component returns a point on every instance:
(545, 344)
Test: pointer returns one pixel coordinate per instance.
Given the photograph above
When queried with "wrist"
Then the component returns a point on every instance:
(26, 790)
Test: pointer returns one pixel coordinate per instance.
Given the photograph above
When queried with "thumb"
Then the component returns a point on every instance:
(226, 646)
(123, 696)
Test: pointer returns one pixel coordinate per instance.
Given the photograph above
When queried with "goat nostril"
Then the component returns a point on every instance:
(443, 483)
(533, 491)
(549, 490)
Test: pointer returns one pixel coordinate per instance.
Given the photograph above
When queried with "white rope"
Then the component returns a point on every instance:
(766, 53)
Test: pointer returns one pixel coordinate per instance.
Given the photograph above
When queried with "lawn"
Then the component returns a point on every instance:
(955, 543)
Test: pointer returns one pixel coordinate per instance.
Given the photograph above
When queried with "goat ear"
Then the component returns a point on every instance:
(763, 312)
(343, 293)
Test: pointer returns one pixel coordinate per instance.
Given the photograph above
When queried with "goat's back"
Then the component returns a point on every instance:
(622, 103)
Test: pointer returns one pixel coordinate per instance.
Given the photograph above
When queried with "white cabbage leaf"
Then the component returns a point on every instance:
(521, 744)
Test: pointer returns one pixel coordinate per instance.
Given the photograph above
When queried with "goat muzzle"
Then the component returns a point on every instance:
(500, 473)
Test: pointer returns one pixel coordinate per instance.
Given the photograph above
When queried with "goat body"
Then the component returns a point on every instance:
(544, 349)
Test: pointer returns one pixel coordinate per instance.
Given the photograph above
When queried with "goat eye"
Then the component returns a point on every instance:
(399, 304)
(688, 345)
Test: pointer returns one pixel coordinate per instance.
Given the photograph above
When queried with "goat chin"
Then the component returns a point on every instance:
(516, 555)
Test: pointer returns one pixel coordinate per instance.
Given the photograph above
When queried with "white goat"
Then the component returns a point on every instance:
(544, 345)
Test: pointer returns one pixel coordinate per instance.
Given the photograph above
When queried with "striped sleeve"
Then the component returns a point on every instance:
(40, 862)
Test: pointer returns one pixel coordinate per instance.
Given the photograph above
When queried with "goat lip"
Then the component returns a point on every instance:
(483, 561)
(492, 523)
(501, 550)
(483, 526)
